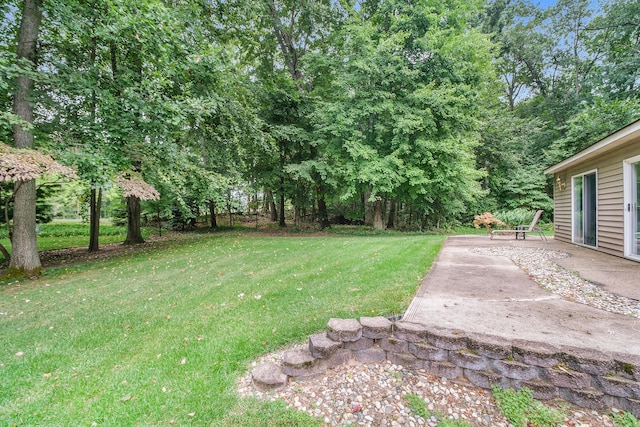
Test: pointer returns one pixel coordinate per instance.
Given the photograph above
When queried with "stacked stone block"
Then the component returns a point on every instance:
(584, 377)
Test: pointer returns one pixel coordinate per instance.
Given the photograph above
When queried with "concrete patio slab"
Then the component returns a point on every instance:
(490, 294)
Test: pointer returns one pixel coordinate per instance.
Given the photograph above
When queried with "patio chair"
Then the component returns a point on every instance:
(524, 229)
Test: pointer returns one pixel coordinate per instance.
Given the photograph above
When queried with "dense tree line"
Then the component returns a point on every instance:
(394, 113)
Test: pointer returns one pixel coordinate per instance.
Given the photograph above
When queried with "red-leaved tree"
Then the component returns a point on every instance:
(135, 189)
(25, 165)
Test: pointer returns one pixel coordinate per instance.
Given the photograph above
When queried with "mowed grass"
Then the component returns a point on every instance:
(160, 337)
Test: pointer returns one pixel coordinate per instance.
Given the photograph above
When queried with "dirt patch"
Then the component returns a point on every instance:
(80, 255)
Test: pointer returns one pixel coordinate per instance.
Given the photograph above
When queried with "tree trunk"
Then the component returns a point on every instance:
(297, 216)
(273, 211)
(282, 221)
(212, 212)
(368, 220)
(25, 259)
(392, 215)
(378, 208)
(266, 197)
(322, 213)
(24, 246)
(134, 233)
(95, 203)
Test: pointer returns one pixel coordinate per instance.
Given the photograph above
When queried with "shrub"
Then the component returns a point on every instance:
(487, 220)
(514, 217)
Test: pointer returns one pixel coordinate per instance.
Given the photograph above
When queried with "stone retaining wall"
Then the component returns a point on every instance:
(587, 378)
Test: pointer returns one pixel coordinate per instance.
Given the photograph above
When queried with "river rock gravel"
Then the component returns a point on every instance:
(361, 394)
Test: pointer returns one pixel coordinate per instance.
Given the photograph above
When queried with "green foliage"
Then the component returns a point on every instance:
(527, 188)
(522, 410)
(45, 192)
(400, 115)
(515, 217)
(593, 123)
(565, 85)
(439, 109)
(417, 405)
(625, 419)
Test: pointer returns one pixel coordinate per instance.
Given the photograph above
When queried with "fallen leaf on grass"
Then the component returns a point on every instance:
(127, 398)
(183, 361)
(193, 414)
(47, 375)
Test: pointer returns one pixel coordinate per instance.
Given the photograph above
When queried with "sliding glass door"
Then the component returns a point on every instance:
(632, 207)
(584, 209)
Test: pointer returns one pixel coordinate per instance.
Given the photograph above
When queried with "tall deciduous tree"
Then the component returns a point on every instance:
(404, 113)
(287, 32)
(25, 259)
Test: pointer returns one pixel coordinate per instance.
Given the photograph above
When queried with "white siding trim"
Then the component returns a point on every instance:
(628, 193)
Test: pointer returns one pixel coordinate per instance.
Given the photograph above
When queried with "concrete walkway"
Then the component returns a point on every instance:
(490, 294)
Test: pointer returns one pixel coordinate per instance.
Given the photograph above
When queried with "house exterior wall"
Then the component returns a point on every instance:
(610, 197)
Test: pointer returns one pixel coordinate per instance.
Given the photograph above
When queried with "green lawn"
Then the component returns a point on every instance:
(161, 336)
(71, 233)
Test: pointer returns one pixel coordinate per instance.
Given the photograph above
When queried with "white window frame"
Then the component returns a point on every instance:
(573, 210)
(628, 194)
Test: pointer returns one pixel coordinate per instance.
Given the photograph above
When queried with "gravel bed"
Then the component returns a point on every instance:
(538, 263)
(375, 394)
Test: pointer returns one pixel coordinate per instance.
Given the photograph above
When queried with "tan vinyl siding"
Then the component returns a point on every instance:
(562, 213)
(610, 187)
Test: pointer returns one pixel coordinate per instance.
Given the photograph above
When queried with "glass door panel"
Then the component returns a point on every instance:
(584, 189)
(590, 206)
(632, 208)
(578, 229)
